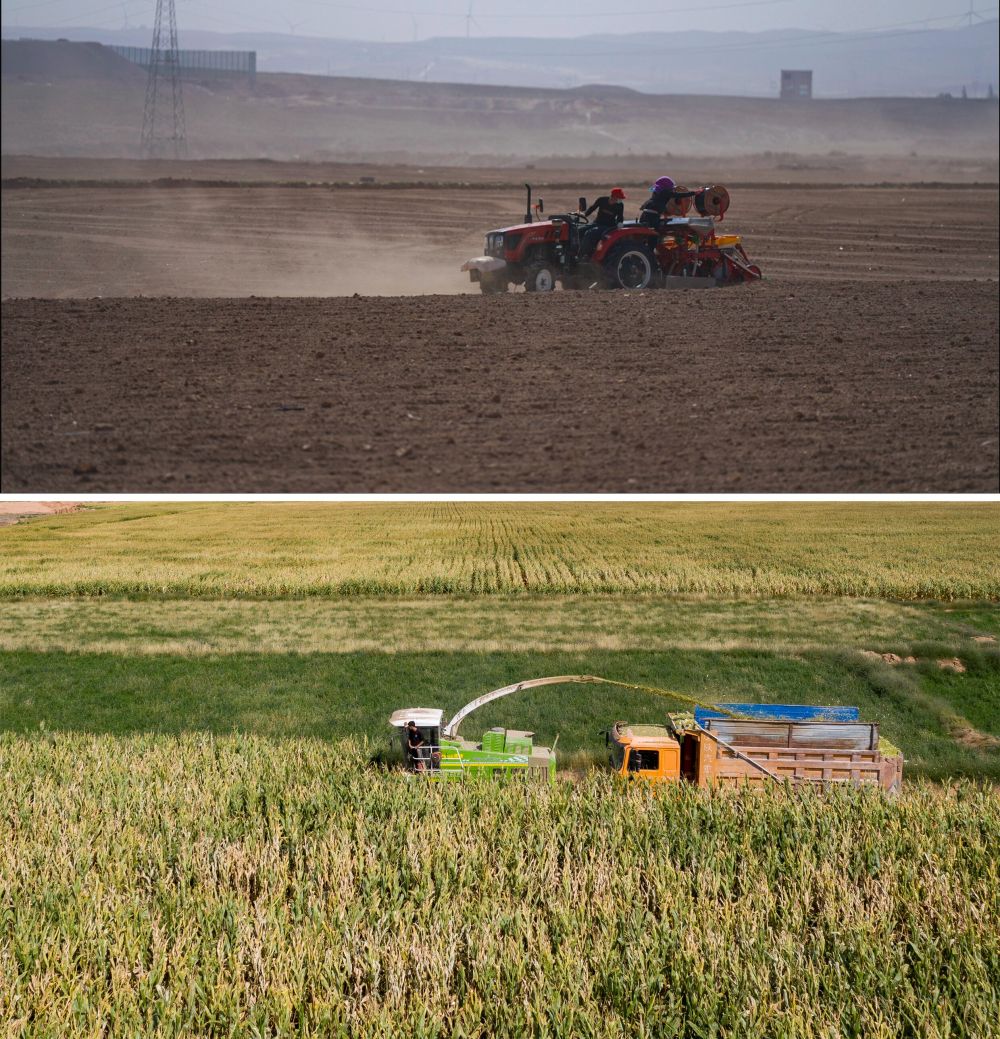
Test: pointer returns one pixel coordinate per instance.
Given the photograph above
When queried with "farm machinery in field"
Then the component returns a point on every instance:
(682, 251)
(442, 754)
(756, 744)
(725, 744)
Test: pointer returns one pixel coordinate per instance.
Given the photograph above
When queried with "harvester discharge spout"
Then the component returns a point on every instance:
(451, 729)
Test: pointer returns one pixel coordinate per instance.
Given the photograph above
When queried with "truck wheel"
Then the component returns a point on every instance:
(539, 276)
(491, 284)
(629, 267)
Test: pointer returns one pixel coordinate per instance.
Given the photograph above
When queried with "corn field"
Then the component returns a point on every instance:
(248, 550)
(191, 886)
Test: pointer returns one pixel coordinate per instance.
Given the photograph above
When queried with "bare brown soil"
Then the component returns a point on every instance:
(12, 512)
(281, 241)
(867, 361)
(974, 739)
(788, 386)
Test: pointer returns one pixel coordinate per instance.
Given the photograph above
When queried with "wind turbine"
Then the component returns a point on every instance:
(470, 20)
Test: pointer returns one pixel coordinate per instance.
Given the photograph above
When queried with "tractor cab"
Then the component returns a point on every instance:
(428, 722)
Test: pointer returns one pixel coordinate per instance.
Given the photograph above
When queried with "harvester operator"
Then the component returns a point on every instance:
(661, 194)
(416, 747)
(610, 210)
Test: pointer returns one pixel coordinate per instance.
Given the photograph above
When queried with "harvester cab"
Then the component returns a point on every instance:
(680, 251)
(426, 728)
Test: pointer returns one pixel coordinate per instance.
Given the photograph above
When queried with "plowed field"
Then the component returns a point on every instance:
(867, 361)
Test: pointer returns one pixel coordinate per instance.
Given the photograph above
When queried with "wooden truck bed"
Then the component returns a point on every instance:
(800, 752)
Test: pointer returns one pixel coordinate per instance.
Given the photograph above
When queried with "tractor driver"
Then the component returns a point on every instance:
(661, 194)
(415, 746)
(610, 211)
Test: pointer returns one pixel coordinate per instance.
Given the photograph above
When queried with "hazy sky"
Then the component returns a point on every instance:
(394, 20)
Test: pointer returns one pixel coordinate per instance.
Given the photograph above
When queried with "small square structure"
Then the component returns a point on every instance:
(796, 83)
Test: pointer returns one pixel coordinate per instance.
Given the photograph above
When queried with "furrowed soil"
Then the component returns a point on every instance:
(866, 361)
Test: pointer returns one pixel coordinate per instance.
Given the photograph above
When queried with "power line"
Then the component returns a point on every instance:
(809, 39)
(874, 33)
(467, 14)
(41, 3)
(87, 14)
(231, 13)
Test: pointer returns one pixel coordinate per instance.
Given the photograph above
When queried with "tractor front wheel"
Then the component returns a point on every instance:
(539, 276)
(629, 267)
(491, 284)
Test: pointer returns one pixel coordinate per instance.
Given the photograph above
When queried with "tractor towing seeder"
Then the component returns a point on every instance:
(682, 251)
(722, 744)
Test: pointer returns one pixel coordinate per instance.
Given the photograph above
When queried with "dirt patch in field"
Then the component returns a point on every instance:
(974, 739)
(893, 659)
(952, 664)
(12, 512)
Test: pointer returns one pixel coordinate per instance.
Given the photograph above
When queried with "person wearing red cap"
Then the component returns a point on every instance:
(610, 210)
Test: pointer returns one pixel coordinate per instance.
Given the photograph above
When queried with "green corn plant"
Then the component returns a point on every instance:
(200, 886)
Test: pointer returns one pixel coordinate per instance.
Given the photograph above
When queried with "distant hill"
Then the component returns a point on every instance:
(92, 105)
(901, 64)
(61, 59)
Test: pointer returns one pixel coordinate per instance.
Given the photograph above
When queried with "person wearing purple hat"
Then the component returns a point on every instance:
(661, 194)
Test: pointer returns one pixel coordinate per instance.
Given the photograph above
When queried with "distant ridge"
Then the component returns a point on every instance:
(901, 64)
(62, 59)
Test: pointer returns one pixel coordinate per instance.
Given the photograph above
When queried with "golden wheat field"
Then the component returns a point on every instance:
(200, 886)
(297, 550)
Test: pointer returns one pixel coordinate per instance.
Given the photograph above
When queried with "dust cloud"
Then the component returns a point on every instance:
(108, 241)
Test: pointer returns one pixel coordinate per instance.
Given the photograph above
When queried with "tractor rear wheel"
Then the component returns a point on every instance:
(629, 267)
(539, 276)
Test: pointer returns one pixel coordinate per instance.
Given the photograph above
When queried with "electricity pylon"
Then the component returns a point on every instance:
(164, 64)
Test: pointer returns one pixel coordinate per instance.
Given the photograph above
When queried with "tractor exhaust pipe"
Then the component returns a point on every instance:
(527, 212)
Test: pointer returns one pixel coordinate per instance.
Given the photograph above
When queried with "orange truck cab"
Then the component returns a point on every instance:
(649, 752)
(741, 744)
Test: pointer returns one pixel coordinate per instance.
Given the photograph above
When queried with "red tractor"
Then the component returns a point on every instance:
(681, 252)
